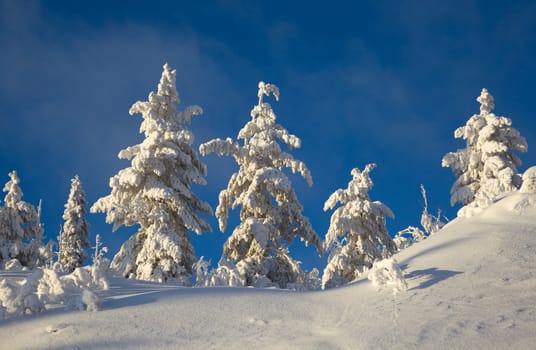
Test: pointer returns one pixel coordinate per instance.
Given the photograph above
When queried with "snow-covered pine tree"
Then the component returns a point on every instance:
(270, 213)
(21, 232)
(155, 192)
(74, 236)
(486, 168)
(357, 235)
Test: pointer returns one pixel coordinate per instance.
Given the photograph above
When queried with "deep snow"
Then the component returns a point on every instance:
(471, 285)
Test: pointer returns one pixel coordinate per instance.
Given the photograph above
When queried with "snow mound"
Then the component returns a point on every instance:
(29, 292)
(471, 285)
(386, 274)
(516, 206)
(90, 300)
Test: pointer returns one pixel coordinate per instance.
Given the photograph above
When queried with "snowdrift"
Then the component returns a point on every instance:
(471, 285)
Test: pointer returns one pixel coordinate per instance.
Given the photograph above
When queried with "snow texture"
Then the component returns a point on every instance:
(270, 213)
(155, 192)
(21, 232)
(486, 168)
(74, 237)
(357, 235)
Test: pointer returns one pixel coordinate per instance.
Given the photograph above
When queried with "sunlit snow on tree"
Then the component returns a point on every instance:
(529, 181)
(155, 191)
(21, 232)
(74, 237)
(486, 168)
(357, 235)
(270, 213)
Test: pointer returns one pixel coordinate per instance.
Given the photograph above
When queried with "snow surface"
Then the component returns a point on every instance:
(471, 285)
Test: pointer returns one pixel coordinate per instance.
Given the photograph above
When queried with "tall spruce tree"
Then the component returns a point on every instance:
(486, 167)
(21, 232)
(357, 235)
(74, 237)
(155, 191)
(270, 216)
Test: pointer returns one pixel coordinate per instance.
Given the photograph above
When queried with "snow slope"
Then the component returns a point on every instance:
(471, 285)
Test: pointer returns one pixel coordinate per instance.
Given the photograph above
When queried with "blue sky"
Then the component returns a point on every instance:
(361, 81)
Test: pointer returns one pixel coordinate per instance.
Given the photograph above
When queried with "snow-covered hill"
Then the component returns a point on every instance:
(471, 285)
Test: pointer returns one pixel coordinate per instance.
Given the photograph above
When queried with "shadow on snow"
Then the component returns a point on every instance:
(433, 275)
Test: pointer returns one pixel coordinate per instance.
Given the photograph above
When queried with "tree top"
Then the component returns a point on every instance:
(486, 102)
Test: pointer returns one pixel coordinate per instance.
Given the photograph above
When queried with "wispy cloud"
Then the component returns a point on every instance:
(65, 96)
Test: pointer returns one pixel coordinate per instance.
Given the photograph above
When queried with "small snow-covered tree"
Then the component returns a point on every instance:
(226, 274)
(270, 213)
(409, 236)
(74, 237)
(21, 232)
(386, 274)
(529, 181)
(155, 191)
(201, 272)
(359, 223)
(99, 250)
(486, 168)
(430, 223)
